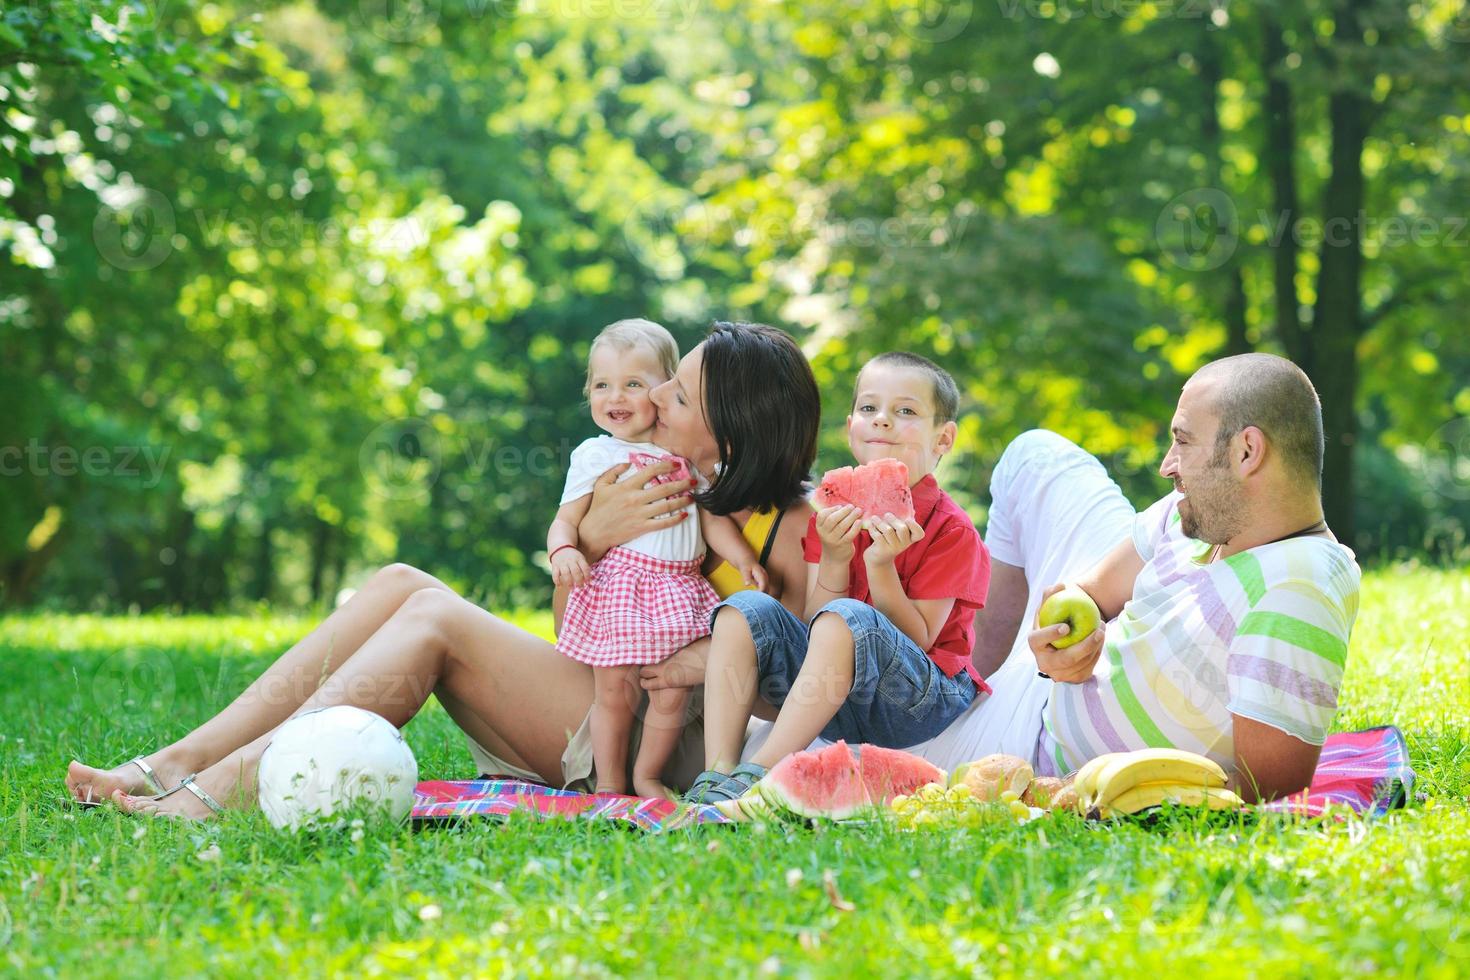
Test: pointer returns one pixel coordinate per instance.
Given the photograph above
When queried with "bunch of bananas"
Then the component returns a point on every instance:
(1128, 782)
(934, 804)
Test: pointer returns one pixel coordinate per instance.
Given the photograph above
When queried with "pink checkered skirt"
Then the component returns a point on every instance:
(636, 610)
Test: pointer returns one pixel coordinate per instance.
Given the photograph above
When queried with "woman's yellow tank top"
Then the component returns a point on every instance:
(759, 531)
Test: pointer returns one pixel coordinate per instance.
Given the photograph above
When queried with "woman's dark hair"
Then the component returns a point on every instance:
(763, 408)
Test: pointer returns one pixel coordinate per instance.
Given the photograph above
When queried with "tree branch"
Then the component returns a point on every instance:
(1399, 297)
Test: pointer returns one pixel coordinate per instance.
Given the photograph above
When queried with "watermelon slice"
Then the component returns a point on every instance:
(821, 785)
(680, 472)
(841, 782)
(878, 488)
(889, 772)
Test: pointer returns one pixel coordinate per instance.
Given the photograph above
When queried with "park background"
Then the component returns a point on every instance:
(289, 290)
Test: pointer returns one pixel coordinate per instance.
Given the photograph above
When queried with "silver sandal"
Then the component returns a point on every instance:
(148, 775)
(187, 783)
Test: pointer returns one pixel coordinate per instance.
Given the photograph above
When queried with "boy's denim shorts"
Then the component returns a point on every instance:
(899, 697)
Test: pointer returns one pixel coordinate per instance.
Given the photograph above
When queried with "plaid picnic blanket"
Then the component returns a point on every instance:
(444, 800)
(1367, 771)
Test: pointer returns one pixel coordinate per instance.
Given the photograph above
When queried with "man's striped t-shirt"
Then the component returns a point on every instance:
(1262, 634)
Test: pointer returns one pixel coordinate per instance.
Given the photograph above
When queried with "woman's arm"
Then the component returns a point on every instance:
(723, 536)
(786, 569)
(623, 510)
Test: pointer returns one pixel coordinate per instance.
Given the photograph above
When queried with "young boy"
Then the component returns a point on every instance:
(884, 653)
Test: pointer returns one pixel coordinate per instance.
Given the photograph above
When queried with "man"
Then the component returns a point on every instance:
(1228, 603)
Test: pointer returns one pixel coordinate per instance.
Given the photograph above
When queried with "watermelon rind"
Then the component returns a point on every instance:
(778, 805)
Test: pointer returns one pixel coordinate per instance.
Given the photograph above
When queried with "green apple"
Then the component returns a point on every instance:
(1075, 608)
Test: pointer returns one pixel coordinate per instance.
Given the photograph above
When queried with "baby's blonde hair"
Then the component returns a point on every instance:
(625, 335)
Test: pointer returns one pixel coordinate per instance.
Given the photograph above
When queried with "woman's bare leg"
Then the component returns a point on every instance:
(273, 696)
(511, 690)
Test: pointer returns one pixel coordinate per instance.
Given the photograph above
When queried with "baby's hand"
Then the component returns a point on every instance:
(755, 576)
(838, 528)
(569, 568)
(890, 537)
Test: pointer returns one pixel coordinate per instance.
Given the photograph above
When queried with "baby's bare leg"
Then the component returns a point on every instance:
(662, 726)
(615, 702)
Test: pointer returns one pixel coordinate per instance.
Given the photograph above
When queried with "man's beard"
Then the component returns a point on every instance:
(1216, 511)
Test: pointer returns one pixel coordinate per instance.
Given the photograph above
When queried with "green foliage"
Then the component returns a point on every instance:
(1212, 897)
(313, 282)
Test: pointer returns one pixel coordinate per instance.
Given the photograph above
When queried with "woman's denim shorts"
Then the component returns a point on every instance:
(899, 697)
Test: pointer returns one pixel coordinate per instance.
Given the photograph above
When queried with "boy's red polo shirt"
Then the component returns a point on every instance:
(950, 561)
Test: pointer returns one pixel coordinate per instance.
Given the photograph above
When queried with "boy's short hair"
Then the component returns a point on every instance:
(946, 392)
(625, 335)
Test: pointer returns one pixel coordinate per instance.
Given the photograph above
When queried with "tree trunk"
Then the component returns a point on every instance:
(264, 563)
(22, 573)
(179, 579)
(1277, 154)
(1338, 313)
(1211, 73)
(321, 539)
(340, 544)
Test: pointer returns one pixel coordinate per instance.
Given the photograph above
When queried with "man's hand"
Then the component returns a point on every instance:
(569, 568)
(1072, 665)
(838, 528)
(891, 536)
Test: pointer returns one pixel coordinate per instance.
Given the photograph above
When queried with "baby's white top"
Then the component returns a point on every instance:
(679, 542)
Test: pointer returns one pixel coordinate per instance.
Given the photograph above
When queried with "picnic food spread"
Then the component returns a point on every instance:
(839, 782)
(1129, 782)
(843, 782)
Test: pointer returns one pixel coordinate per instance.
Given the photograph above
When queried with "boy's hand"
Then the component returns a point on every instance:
(754, 576)
(890, 537)
(838, 528)
(569, 568)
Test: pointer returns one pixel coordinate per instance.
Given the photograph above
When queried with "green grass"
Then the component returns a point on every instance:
(106, 894)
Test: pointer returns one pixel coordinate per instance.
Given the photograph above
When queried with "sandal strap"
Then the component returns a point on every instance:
(148, 774)
(706, 787)
(749, 769)
(188, 783)
(740, 780)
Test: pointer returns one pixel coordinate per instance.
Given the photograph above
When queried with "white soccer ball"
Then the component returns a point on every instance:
(326, 760)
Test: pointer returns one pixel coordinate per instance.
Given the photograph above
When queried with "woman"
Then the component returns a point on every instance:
(743, 404)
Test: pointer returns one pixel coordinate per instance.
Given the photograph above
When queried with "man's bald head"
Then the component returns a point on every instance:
(1274, 395)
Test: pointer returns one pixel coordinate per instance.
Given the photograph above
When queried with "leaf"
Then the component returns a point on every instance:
(829, 884)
